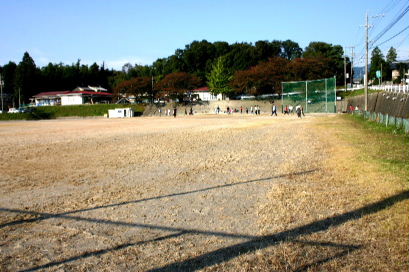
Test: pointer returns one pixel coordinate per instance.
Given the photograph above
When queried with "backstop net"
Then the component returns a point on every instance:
(313, 95)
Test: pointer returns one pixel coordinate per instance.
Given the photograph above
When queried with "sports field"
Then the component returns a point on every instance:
(208, 193)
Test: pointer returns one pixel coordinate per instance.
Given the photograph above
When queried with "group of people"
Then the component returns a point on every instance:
(289, 109)
(229, 110)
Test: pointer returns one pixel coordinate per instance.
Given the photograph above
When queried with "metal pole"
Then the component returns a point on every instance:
(306, 96)
(366, 62)
(335, 93)
(326, 97)
(282, 97)
(1, 88)
(352, 65)
(381, 75)
(345, 72)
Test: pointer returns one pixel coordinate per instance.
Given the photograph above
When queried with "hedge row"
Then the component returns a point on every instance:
(50, 112)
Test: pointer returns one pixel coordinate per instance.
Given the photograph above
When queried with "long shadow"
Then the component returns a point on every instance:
(44, 216)
(325, 260)
(348, 248)
(224, 254)
(136, 225)
(103, 251)
(255, 242)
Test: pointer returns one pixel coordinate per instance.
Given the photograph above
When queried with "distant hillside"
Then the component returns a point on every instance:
(359, 72)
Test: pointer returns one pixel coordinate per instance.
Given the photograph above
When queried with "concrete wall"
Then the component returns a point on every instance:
(393, 104)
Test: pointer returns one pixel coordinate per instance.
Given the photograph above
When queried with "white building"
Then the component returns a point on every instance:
(204, 94)
(121, 113)
(48, 98)
(79, 96)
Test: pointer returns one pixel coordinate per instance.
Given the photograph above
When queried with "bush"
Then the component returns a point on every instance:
(50, 112)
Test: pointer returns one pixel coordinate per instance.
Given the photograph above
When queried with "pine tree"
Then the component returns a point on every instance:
(26, 79)
(392, 55)
(377, 60)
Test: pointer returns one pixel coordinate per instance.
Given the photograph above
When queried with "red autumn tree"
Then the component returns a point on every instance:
(263, 78)
(311, 68)
(176, 84)
(135, 86)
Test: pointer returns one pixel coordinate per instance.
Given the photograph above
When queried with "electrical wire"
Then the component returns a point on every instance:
(394, 36)
(388, 27)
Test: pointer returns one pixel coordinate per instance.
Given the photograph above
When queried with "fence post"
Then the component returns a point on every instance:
(306, 96)
(326, 97)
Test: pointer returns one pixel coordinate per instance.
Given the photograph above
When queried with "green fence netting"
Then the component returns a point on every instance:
(313, 95)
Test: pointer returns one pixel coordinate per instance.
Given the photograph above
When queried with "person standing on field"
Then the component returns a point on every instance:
(274, 110)
(174, 112)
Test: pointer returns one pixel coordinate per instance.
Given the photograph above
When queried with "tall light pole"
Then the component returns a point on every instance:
(1, 88)
(345, 72)
(367, 26)
(351, 77)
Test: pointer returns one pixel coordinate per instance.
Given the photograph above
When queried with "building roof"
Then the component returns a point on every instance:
(202, 89)
(87, 93)
(91, 89)
(48, 94)
(63, 93)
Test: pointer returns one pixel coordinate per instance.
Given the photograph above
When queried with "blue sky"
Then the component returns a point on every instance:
(136, 31)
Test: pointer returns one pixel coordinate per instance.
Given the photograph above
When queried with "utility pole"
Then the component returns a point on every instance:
(367, 26)
(351, 77)
(345, 72)
(345, 67)
(1, 88)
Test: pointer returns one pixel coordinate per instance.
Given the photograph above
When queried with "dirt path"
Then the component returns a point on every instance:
(146, 193)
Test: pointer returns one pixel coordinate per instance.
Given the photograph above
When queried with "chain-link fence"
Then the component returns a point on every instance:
(313, 95)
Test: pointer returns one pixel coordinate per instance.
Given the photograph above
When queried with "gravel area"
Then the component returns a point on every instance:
(142, 193)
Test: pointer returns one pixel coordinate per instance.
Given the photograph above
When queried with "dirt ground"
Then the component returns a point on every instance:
(178, 194)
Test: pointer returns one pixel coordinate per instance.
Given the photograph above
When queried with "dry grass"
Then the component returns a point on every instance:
(350, 177)
(148, 158)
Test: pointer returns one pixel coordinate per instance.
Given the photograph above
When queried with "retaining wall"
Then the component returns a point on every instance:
(392, 104)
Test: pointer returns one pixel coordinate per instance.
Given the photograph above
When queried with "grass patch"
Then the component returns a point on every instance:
(347, 94)
(382, 145)
(50, 112)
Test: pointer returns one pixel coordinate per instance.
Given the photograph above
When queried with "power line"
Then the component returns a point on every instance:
(389, 7)
(388, 27)
(394, 36)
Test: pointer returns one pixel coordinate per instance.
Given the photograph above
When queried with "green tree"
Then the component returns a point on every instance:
(331, 54)
(8, 76)
(377, 60)
(390, 58)
(219, 78)
(392, 55)
(290, 50)
(26, 77)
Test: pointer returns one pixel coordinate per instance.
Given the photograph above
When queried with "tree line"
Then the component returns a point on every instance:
(385, 65)
(255, 68)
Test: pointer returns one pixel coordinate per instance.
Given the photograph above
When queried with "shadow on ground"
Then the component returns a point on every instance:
(220, 255)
